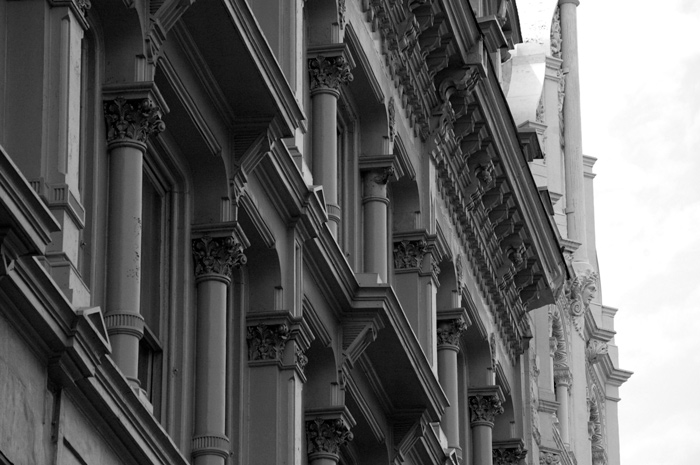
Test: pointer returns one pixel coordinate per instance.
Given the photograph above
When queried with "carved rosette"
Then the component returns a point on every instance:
(449, 332)
(132, 120)
(325, 436)
(266, 342)
(484, 408)
(508, 455)
(595, 350)
(328, 72)
(547, 458)
(216, 255)
(409, 254)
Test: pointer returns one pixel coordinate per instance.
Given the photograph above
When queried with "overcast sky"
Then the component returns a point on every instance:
(640, 87)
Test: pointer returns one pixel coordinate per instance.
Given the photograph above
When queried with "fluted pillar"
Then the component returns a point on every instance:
(214, 260)
(326, 74)
(573, 140)
(484, 404)
(325, 434)
(562, 383)
(375, 204)
(131, 117)
(451, 324)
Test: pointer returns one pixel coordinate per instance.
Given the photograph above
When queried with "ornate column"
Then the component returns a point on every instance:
(375, 203)
(132, 114)
(329, 67)
(215, 255)
(484, 404)
(450, 325)
(326, 432)
(573, 151)
(562, 384)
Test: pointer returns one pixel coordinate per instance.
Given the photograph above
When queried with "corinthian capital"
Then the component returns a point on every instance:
(409, 254)
(325, 436)
(449, 332)
(484, 407)
(267, 342)
(216, 255)
(508, 453)
(595, 350)
(132, 119)
(328, 72)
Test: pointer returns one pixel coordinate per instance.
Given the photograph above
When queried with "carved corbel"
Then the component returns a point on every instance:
(595, 350)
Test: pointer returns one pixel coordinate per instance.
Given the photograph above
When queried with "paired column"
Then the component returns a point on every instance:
(214, 260)
(328, 70)
(132, 116)
(375, 204)
(573, 148)
(484, 404)
(451, 324)
(562, 384)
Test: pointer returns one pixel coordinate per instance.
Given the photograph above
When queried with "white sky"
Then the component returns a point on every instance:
(640, 87)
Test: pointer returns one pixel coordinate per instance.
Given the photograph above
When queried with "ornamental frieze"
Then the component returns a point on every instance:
(449, 332)
(409, 254)
(484, 407)
(133, 119)
(326, 435)
(328, 72)
(217, 255)
(267, 342)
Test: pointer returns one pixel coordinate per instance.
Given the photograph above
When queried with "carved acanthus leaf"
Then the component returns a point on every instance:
(134, 119)
(508, 455)
(449, 331)
(484, 407)
(217, 255)
(409, 254)
(326, 435)
(267, 342)
(328, 72)
(548, 458)
(595, 350)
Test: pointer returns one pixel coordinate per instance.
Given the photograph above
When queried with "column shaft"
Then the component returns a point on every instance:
(375, 234)
(124, 256)
(447, 373)
(573, 150)
(482, 437)
(563, 411)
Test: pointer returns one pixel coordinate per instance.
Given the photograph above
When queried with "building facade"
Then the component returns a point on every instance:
(298, 232)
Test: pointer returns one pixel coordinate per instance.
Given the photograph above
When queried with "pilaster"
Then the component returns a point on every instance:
(376, 172)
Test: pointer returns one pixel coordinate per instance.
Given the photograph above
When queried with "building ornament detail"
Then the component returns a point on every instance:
(562, 376)
(508, 455)
(341, 13)
(328, 72)
(459, 265)
(449, 332)
(555, 38)
(580, 292)
(382, 176)
(561, 96)
(484, 407)
(595, 350)
(391, 111)
(409, 254)
(548, 458)
(326, 436)
(217, 255)
(300, 358)
(133, 119)
(267, 342)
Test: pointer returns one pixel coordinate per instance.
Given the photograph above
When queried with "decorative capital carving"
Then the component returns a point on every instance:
(595, 350)
(484, 407)
(325, 436)
(382, 176)
(508, 455)
(391, 110)
(132, 120)
(449, 332)
(562, 376)
(547, 458)
(216, 255)
(267, 342)
(409, 254)
(328, 72)
(600, 457)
